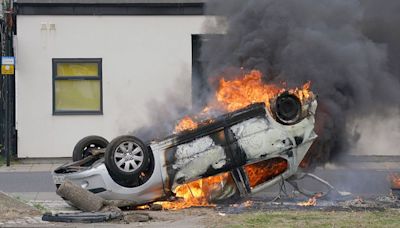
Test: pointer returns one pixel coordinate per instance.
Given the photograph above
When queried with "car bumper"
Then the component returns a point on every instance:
(98, 180)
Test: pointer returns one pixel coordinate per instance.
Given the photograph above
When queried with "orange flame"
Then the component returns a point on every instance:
(246, 203)
(239, 93)
(263, 171)
(196, 193)
(232, 95)
(311, 202)
(186, 123)
(394, 179)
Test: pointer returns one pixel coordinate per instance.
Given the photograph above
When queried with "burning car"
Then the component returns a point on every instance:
(247, 150)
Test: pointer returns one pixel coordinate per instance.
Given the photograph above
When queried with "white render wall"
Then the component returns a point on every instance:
(143, 58)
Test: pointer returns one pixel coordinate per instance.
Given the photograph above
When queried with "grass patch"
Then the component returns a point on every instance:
(20, 199)
(388, 218)
(38, 206)
(13, 160)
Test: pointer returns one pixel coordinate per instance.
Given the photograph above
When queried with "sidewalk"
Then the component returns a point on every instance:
(36, 196)
(49, 201)
(30, 179)
(30, 167)
(34, 165)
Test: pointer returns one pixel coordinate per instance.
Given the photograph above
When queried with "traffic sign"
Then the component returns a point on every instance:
(7, 69)
(7, 60)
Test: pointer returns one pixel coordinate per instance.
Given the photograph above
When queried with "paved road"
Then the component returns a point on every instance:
(356, 181)
(26, 182)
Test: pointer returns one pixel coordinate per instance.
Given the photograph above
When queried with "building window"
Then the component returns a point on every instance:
(77, 86)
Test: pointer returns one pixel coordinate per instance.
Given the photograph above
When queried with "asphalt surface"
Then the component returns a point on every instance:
(355, 181)
(26, 182)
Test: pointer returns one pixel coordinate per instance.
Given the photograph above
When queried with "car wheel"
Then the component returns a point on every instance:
(126, 157)
(287, 109)
(82, 148)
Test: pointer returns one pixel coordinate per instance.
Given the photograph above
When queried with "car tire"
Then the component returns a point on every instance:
(287, 109)
(81, 148)
(126, 157)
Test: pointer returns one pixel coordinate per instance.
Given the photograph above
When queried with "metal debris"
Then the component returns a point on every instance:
(82, 217)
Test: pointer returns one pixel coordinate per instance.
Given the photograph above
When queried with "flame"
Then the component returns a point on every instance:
(247, 203)
(263, 171)
(186, 123)
(394, 179)
(239, 93)
(196, 193)
(232, 95)
(311, 202)
(142, 207)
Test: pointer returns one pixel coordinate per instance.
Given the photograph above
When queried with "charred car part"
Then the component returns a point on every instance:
(287, 109)
(272, 142)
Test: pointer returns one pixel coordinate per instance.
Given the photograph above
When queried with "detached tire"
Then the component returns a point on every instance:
(81, 149)
(126, 157)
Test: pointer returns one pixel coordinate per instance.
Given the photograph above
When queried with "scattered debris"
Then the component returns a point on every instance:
(396, 193)
(137, 217)
(156, 207)
(82, 217)
(95, 208)
(79, 197)
(367, 203)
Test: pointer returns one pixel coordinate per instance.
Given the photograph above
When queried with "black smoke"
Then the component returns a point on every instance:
(348, 49)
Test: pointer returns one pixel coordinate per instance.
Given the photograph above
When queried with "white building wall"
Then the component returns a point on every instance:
(143, 58)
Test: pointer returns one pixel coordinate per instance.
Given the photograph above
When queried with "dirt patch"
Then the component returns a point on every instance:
(11, 208)
(191, 217)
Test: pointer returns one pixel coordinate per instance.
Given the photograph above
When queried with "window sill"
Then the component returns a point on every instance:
(76, 113)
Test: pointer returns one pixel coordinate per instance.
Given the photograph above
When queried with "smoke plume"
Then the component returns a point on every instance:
(348, 49)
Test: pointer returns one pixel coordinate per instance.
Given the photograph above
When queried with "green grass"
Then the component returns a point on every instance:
(38, 206)
(13, 160)
(20, 199)
(389, 218)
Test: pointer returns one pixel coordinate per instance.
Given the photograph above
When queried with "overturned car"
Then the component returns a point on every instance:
(255, 137)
